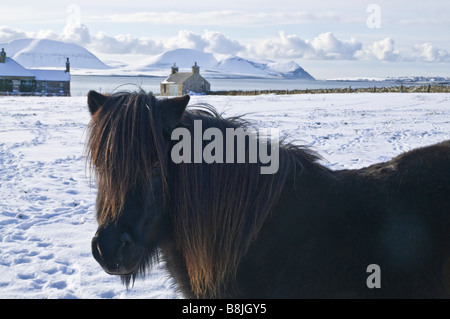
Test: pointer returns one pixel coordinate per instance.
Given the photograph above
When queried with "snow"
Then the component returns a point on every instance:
(237, 65)
(51, 75)
(217, 66)
(43, 53)
(12, 68)
(184, 58)
(47, 207)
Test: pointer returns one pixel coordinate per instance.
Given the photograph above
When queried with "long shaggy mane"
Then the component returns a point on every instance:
(215, 211)
(218, 209)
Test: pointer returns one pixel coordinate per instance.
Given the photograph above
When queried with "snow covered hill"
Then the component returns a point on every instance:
(33, 53)
(222, 66)
(184, 58)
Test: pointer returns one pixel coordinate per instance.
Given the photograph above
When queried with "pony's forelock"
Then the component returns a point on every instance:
(124, 140)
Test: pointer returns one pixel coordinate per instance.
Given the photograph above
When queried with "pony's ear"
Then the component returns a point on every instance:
(95, 101)
(172, 110)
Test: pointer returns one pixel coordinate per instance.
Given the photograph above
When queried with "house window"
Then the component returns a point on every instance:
(164, 88)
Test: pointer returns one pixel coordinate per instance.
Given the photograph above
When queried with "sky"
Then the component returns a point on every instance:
(328, 38)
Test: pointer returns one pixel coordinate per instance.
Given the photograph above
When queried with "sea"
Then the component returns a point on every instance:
(82, 84)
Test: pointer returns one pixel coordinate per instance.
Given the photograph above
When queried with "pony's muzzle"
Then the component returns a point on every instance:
(116, 257)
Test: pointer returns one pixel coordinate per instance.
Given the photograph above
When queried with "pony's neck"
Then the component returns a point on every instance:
(218, 210)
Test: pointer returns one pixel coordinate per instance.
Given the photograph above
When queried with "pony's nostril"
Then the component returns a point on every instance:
(96, 251)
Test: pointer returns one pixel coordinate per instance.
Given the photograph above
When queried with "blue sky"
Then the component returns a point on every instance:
(348, 38)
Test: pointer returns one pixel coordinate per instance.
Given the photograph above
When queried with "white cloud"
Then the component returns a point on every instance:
(383, 50)
(76, 33)
(79, 34)
(327, 46)
(430, 53)
(188, 40)
(124, 44)
(285, 46)
(210, 41)
(324, 47)
(7, 34)
(220, 43)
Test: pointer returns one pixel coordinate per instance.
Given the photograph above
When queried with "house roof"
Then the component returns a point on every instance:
(178, 77)
(14, 69)
(50, 75)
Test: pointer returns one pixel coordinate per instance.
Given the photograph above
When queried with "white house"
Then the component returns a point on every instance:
(180, 83)
(14, 78)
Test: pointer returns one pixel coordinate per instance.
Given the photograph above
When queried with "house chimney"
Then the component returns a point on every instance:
(173, 69)
(196, 69)
(3, 56)
(67, 66)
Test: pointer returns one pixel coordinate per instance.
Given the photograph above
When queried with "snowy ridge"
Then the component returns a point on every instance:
(221, 66)
(32, 53)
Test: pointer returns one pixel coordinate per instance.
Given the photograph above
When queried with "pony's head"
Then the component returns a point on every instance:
(127, 146)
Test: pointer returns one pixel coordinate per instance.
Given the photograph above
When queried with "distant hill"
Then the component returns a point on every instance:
(184, 58)
(221, 67)
(41, 53)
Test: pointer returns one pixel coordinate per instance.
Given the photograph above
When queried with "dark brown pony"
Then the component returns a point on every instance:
(224, 230)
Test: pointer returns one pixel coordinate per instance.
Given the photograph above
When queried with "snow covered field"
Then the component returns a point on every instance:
(47, 198)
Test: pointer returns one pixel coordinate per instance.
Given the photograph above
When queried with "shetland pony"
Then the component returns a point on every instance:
(224, 230)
